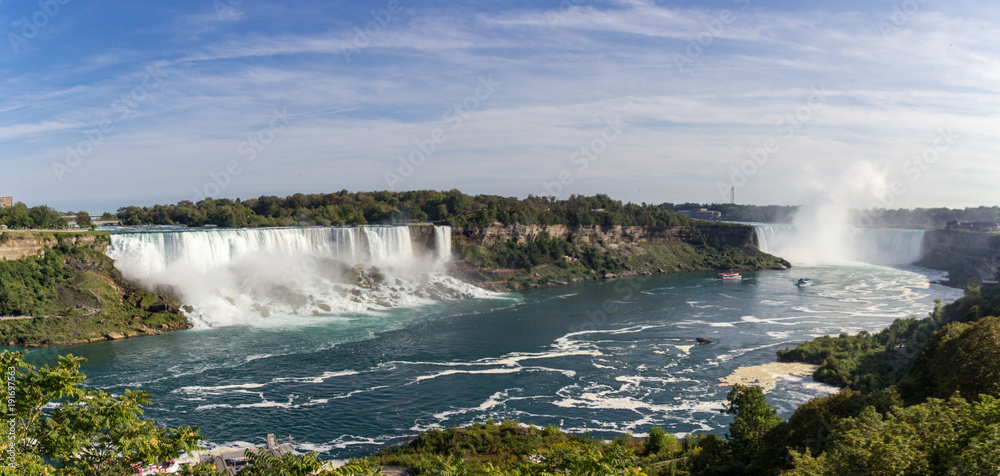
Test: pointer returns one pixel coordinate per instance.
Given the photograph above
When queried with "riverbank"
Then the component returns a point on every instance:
(63, 290)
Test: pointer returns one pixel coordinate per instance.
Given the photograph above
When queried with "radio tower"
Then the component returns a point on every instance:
(732, 195)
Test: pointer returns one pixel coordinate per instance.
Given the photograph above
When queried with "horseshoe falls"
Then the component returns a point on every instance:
(805, 246)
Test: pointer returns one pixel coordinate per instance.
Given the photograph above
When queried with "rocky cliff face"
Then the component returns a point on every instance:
(422, 236)
(954, 241)
(967, 257)
(20, 244)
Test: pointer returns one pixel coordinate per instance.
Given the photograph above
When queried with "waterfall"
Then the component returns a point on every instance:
(257, 275)
(839, 246)
(387, 243)
(442, 243)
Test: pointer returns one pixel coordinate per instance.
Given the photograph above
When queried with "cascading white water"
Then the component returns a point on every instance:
(840, 246)
(388, 243)
(442, 243)
(260, 276)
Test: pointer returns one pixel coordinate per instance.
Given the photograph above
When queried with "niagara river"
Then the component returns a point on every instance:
(282, 345)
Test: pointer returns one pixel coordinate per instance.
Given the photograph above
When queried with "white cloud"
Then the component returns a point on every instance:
(886, 98)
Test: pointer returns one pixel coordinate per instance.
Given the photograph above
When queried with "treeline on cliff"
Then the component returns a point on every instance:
(360, 208)
(20, 216)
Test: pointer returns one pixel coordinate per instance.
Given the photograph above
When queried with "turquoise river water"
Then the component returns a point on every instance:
(606, 357)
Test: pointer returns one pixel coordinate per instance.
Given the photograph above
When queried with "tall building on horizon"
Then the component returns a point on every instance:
(6, 202)
(732, 195)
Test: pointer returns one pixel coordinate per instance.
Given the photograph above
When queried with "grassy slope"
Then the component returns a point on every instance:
(76, 295)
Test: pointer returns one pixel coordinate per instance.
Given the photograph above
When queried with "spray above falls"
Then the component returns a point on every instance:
(264, 276)
(825, 229)
(841, 246)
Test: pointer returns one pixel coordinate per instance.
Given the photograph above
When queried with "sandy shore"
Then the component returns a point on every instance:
(767, 375)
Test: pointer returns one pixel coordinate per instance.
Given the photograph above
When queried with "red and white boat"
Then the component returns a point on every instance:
(730, 276)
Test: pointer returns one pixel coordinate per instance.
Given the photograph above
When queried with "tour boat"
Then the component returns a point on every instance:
(730, 275)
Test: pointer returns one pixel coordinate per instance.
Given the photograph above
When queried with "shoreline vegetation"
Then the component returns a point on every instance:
(71, 293)
(919, 397)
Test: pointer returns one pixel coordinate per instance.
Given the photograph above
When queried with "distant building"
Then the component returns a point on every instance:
(702, 214)
(6, 202)
(973, 226)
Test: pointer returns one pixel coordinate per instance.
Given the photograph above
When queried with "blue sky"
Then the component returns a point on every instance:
(106, 104)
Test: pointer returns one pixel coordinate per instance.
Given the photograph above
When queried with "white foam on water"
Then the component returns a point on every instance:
(219, 388)
(318, 379)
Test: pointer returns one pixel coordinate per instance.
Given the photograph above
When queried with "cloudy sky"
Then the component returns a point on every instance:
(105, 104)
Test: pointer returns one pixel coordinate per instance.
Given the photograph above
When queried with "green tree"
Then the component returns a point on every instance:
(963, 358)
(937, 437)
(659, 441)
(754, 418)
(59, 427)
(83, 219)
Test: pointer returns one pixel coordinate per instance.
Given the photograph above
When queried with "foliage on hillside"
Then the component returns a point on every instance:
(868, 362)
(899, 423)
(954, 436)
(57, 426)
(75, 294)
(452, 207)
(963, 359)
(19, 216)
(512, 449)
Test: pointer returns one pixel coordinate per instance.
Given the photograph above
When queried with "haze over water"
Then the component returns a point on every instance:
(607, 357)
